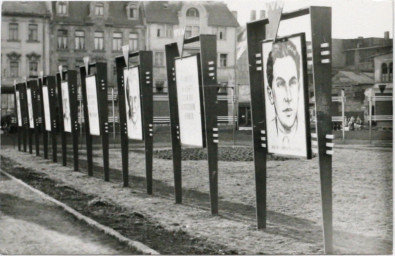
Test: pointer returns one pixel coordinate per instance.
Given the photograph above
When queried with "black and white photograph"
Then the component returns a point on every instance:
(133, 103)
(219, 127)
(285, 104)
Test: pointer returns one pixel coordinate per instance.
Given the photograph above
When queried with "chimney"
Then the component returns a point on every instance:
(262, 14)
(386, 35)
(253, 15)
(234, 14)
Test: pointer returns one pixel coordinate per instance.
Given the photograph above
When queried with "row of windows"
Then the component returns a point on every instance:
(166, 30)
(79, 40)
(14, 69)
(13, 32)
(386, 72)
(132, 11)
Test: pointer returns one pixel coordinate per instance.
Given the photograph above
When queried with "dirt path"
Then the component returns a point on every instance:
(30, 224)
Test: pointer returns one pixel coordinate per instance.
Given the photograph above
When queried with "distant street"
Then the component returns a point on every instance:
(32, 225)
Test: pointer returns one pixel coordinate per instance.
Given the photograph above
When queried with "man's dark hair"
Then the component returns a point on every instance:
(281, 50)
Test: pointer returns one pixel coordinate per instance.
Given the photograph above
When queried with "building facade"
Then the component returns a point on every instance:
(24, 46)
(94, 29)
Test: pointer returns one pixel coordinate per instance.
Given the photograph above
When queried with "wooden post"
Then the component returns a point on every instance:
(83, 74)
(25, 121)
(321, 23)
(255, 34)
(36, 115)
(18, 114)
(171, 54)
(343, 123)
(59, 78)
(51, 83)
(208, 61)
(120, 63)
(30, 130)
(73, 91)
(146, 79)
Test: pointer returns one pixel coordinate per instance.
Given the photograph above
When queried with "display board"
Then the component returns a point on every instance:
(30, 108)
(18, 108)
(66, 107)
(133, 103)
(285, 87)
(189, 101)
(93, 110)
(47, 113)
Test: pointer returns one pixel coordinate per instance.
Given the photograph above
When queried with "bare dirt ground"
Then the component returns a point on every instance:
(362, 200)
(30, 224)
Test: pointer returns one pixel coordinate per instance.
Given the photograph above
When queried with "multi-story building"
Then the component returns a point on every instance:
(163, 17)
(96, 29)
(24, 46)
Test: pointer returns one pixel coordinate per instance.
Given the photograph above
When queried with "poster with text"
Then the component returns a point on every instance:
(285, 102)
(30, 108)
(133, 103)
(93, 108)
(189, 101)
(66, 107)
(18, 108)
(47, 113)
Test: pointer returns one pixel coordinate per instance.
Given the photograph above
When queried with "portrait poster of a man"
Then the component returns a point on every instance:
(286, 101)
(133, 103)
(66, 107)
(93, 107)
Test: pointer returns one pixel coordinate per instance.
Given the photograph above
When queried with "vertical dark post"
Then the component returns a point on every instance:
(72, 82)
(101, 86)
(61, 120)
(29, 130)
(42, 120)
(255, 34)
(120, 62)
(208, 55)
(25, 118)
(83, 73)
(321, 24)
(36, 115)
(171, 54)
(147, 105)
(51, 83)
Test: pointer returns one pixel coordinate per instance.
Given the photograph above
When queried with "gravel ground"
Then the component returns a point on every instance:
(362, 200)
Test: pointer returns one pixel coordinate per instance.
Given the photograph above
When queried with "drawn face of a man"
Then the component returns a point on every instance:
(284, 88)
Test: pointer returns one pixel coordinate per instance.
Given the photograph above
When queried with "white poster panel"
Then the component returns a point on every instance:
(66, 107)
(30, 107)
(133, 103)
(188, 94)
(47, 113)
(18, 108)
(93, 108)
(284, 97)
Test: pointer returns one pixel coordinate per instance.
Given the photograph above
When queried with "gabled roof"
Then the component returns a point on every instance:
(26, 9)
(351, 77)
(167, 12)
(79, 13)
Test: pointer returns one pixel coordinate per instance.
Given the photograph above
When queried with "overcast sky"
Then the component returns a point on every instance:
(350, 18)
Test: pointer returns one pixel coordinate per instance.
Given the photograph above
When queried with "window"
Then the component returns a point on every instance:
(223, 60)
(133, 41)
(192, 31)
(62, 39)
(14, 68)
(384, 72)
(79, 40)
(390, 73)
(99, 38)
(221, 33)
(159, 56)
(13, 31)
(164, 30)
(132, 12)
(192, 12)
(117, 41)
(62, 8)
(99, 9)
(33, 28)
(160, 86)
(33, 69)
